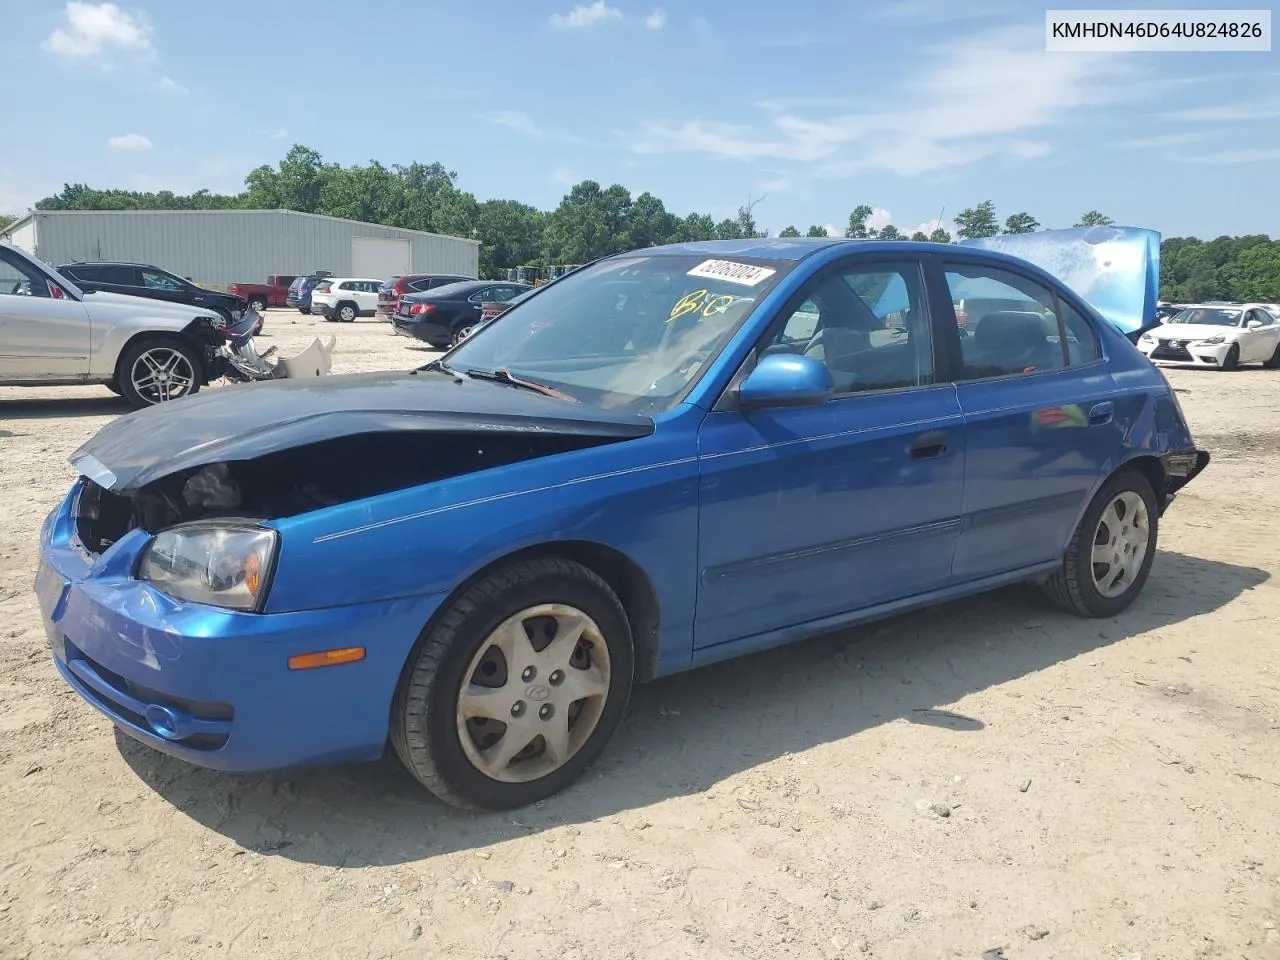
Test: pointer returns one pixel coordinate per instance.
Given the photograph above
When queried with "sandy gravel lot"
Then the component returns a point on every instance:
(1111, 788)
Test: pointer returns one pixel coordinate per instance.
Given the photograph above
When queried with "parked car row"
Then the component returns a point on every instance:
(448, 314)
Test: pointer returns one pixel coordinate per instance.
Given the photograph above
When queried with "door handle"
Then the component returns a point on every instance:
(929, 446)
(1101, 413)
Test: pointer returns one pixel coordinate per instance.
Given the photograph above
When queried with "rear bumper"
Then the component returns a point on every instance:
(432, 333)
(1180, 469)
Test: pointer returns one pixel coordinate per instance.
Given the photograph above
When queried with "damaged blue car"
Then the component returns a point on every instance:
(669, 457)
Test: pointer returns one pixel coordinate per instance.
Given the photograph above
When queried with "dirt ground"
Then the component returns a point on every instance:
(988, 776)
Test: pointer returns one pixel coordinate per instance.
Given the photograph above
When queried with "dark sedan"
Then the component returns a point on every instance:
(446, 315)
(142, 280)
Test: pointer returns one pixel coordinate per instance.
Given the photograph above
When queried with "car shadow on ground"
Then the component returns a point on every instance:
(684, 734)
(46, 408)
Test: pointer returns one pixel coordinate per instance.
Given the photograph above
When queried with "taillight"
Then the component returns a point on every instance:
(421, 309)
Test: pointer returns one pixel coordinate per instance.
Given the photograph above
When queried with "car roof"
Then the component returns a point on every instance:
(345, 279)
(459, 286)
(112, 263)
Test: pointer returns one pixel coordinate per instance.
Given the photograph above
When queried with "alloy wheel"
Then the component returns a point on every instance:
(162, 373)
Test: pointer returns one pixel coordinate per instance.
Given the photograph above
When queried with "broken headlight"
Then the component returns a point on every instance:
(221, 563)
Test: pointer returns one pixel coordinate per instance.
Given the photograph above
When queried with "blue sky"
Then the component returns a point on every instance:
(913, 107)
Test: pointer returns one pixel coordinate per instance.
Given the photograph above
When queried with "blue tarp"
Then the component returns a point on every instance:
(1115, 269)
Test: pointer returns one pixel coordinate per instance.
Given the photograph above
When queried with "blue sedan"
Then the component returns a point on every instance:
(669, 457)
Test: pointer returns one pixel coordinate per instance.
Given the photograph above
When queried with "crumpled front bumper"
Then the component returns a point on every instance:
(213, 686)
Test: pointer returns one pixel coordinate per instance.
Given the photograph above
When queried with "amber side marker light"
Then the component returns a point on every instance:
(326, 658)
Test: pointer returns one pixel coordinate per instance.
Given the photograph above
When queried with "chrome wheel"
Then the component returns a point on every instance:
(463, 333)
(162, 373)
(533, 693)
(347, 314)
(1120, 544)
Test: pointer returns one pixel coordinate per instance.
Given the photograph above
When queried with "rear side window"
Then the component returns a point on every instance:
(1082, 341)
(1008, 323)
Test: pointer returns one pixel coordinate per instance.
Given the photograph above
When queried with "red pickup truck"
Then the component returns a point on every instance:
(273, 293)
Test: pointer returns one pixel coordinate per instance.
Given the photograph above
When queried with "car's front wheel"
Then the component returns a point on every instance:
(157, 369)
(517, 686)
(257, 305)
(1273, 362)
(1109, 556)
(462, 332)
(1232, 359)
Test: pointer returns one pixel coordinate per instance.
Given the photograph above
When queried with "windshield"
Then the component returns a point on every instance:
(628, 334)
(1208, 316)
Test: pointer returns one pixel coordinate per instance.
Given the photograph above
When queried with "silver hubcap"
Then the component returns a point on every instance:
(533, 693)
(1120, 544)
(348, 313)
(161, 374)
(463, 334)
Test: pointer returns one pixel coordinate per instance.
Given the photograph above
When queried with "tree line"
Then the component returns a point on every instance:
(594, 221)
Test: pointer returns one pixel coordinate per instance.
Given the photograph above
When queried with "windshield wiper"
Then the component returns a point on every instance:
(502, 375)
(442, 367)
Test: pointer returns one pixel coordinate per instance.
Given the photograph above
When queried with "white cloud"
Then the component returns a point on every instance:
(564, 176)
(523, 123)
(130, 142)
(986, 94)
(171, 85)
(278, 134)
(775, 184)
(880, 217)
(586, 15)
(1248, 155)
(833, 230)
(926, 228)
(1230, 112)
(657, 19)
(99, 32)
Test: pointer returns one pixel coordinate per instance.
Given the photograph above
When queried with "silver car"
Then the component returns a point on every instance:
(52, 332)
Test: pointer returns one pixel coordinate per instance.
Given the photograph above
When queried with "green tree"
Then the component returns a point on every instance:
(979, 221)
(789, 231)
(920, 236)
(816, 230)
(857, 229)
(589, 223)
(939, 235)
(1095, 219)
(890, 232)
(510, 234)
(5, 220)
(1021, 223)
(649, 224)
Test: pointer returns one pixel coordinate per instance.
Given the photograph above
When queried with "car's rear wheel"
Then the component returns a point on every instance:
(517, 686)
(1109, 556)
(304, 310)
(347, 312)
(1232, 359)
(1273, 362)
(156, 370)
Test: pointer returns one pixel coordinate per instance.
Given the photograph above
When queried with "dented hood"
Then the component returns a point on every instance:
(256, 419)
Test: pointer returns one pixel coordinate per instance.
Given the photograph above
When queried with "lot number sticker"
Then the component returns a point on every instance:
(743, 273)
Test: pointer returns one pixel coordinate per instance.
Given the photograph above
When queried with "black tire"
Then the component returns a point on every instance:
(1274, 362)
(257, 303)
(424, 728)
(1073, 588)
(346, 312)
(306, 310)
(437, 345)
(134, 352)
(462, 331)
(113, 388)
(1232, 360)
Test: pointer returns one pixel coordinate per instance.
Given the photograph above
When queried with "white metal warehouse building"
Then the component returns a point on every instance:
(219, 247)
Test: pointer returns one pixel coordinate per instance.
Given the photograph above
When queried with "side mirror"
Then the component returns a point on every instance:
(1254, 325)
(785, 380)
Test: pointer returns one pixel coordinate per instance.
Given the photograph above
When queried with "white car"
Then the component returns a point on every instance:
(345, 298)
(52, 333)
(1215, 335)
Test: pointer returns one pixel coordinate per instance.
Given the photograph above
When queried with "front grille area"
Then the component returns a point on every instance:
(1165, 350)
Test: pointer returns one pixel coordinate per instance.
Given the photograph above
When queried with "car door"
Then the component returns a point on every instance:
(44, 332)
(811, 512)
(1042, 417)
(1259, 342)
(368, 294)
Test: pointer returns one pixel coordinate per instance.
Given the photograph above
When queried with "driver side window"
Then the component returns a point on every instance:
(20, 279)
(867, 322)
(153, 280)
